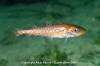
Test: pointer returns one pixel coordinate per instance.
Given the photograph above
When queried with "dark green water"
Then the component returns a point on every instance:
(84, 50)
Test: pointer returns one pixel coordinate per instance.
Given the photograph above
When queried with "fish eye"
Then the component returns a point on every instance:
(76, 30)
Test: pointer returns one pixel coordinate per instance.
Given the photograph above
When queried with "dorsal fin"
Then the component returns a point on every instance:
(32, 27)
(47, 23)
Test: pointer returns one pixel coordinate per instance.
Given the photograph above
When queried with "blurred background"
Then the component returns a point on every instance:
(21, 14)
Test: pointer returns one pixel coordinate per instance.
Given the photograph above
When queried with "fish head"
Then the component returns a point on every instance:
(75, 31)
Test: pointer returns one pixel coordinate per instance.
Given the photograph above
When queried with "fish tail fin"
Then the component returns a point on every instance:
(10, 36)
(19, 32)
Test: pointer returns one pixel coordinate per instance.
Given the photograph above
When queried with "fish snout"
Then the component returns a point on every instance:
(76, 32)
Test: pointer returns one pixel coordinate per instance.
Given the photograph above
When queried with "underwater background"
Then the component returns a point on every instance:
(21, 14)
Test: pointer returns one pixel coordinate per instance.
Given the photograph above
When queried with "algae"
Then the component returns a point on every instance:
(52, 56)
(98, 41)
(90, 57)
(3, 62)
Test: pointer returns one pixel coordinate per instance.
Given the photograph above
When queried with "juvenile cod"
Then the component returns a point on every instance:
(55, 31)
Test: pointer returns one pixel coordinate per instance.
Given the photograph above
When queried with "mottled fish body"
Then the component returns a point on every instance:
(55, 31)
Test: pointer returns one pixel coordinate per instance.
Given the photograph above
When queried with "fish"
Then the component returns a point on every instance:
(54, 31)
